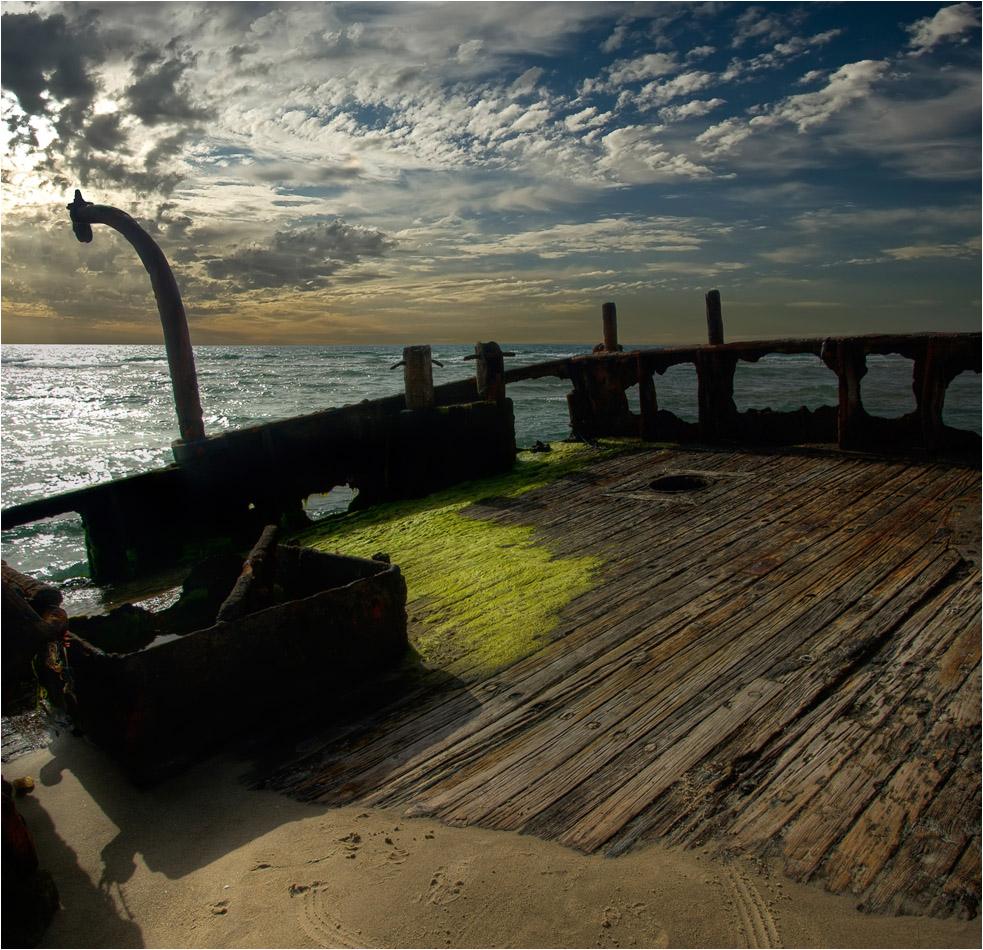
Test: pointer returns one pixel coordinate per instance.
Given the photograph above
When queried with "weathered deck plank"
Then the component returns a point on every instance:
(785, 662)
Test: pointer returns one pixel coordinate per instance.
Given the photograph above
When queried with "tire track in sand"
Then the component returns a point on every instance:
(751, 909)
(320, 924)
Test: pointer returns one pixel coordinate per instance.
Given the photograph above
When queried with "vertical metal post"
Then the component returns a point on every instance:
(490, 371)
(609, 316)
(648, 402)
(715, 321)
(418, 377)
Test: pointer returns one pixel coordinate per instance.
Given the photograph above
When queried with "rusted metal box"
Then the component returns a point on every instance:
(160, 690)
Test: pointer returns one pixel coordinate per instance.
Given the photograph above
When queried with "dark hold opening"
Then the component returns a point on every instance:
(679, 483)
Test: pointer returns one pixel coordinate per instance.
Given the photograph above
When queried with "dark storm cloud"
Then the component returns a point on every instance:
(161, 93)
(51, 65)
(303, 258)
(48, 55)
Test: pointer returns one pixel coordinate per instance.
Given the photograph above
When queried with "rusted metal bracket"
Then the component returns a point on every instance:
(177, 340)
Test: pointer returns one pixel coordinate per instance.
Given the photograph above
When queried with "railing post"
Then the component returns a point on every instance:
(418, 377)
(715, 393)
(609, 319)
(648, 402)
(850, 364)
(715, 321)
(490, 371)
(177, 340)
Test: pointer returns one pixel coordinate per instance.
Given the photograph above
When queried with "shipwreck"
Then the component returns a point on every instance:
(779, 655)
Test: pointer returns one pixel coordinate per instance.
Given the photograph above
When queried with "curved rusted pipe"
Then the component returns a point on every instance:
(177, 340)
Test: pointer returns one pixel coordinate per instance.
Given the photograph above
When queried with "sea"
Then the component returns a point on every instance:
(73, 416)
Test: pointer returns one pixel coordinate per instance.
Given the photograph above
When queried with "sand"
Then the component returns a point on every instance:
(203, 861)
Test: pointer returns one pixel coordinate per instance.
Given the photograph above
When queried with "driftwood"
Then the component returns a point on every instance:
(254, 588)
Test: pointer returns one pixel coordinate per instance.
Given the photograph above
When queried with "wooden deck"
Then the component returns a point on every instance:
(783, 663)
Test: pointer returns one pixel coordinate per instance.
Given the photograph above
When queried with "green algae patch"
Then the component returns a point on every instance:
(483, 594)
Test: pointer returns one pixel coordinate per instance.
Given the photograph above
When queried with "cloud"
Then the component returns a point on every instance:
(692, 109)
(789, 255)
(847, 84)
(644, 67)
(700, 52)
(633, 154)
(685, 84)
(73, 124)
(526, 83)
(757, 23)
(468, 51)
(947, 23)
(303, 258)
(724, 136)
(850, 84)
(47, 62)
(586, 119)
(275, 148)
(927, 251)
(161, 93)
(780, 54)
(616, 38)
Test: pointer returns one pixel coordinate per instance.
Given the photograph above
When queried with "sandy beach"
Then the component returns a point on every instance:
(203, 861)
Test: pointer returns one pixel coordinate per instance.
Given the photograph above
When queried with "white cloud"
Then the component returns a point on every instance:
(692, 109)
(758, 23)
(467, 52)
(789, 255)
(949, 22)
(724, 136)
(700, 52)
(586, 119)
(644, 67)
(847, 84)
(526, 83)
(632, 154)
(532, 119)
(685, 84)
(616, 39)
(914, 252)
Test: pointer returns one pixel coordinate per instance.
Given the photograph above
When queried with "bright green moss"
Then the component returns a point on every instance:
(484, 594)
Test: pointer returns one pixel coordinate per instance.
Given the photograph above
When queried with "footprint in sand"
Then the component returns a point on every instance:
(631, 925)
(447, 884)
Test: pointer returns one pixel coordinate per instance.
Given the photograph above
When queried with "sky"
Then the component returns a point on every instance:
(352, 173)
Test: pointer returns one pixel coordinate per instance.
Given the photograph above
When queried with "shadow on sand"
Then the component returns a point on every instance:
(187, 822)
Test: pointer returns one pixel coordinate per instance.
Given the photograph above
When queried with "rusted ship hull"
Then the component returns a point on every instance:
(158, 708)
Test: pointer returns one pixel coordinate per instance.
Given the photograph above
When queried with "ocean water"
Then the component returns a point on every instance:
(73, 416)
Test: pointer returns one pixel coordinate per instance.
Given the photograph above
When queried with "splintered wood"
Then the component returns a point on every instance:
(784, 662)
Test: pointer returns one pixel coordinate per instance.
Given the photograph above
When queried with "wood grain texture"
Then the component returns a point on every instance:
(785, 662)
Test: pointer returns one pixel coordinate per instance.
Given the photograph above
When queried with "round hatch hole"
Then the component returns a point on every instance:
(679, 483)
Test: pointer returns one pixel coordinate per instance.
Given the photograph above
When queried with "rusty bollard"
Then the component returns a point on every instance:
(417, 376)
(489, 370)
(715, 320)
